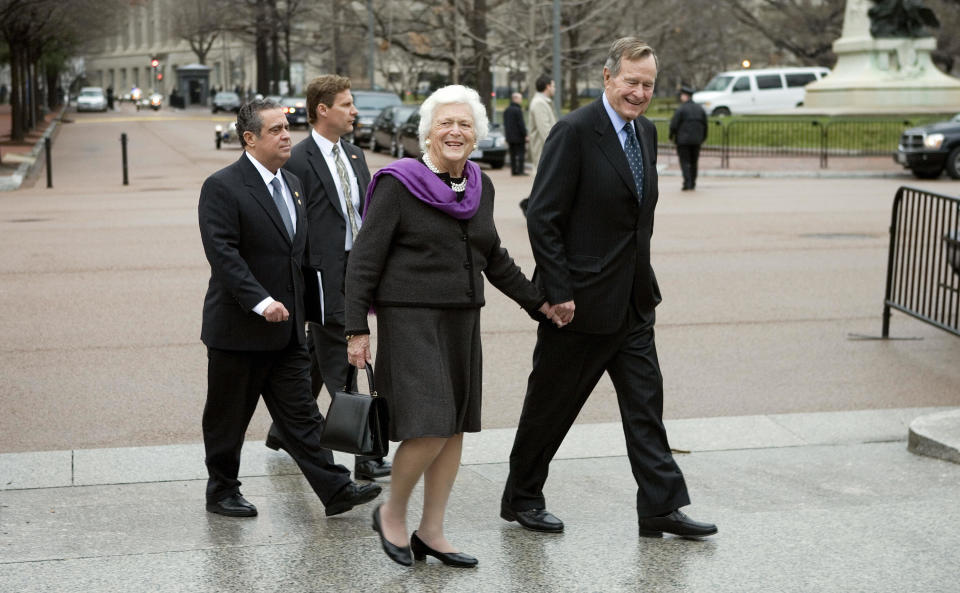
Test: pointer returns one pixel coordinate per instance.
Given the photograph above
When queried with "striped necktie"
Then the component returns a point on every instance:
(345, 184)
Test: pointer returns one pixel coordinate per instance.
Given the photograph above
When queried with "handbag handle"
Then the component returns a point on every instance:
(351, 374)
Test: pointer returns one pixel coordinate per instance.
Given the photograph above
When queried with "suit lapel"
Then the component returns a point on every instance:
(649, 169)
(609, 144)
(296, 193)
(319, 165)
(258, 190)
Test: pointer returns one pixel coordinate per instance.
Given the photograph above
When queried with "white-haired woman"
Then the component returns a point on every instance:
(428, 233)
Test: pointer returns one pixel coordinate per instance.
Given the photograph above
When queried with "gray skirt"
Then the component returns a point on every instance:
(429, 370)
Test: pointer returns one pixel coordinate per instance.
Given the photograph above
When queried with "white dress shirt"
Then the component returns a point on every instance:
(287, 199)
(326, 149)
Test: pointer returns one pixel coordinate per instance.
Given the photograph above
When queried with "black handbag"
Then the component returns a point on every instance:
(357, 422)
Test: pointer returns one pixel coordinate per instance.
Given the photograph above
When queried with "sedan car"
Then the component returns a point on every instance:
(929, 150)
(295, 108)
(385, 127)
(92, 98)
(491, 150)
(226, 101)
(369, 104)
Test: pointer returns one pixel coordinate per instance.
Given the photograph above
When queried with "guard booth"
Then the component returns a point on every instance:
(193, 84)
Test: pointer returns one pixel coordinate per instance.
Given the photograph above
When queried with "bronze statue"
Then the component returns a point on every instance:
(901, 18)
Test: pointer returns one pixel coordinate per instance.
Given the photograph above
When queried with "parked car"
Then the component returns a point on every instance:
(295, 108)
(225, 134)
(369, 105)
(491, 150)
(757, 91)
(929, 150)
(226, 101)
(92, 98)
(154, 101)
(385, 127)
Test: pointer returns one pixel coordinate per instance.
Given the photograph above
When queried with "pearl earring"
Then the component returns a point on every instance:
(426, 142)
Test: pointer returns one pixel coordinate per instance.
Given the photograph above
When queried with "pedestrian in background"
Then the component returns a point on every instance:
(428, 233)
(542, 116)
(516, 132)
(688, 128)
(334, 174)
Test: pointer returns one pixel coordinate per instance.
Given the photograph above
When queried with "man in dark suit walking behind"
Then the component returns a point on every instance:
(516, 133)
(253, 227)
(688, 128)
(335, 177)
(590, 220)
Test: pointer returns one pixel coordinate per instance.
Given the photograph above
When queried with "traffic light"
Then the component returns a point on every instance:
(159, 75)
(154, 62)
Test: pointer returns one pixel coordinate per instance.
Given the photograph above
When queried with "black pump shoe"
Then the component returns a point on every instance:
(422, 550)
(399, 554)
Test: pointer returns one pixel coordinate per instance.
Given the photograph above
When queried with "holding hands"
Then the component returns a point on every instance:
(560, 314)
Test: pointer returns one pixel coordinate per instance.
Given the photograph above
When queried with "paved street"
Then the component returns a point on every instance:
(796, 434)
(763, 280)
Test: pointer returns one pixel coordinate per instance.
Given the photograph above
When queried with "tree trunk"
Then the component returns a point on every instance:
(17, 132)
(263, 60)
(482, 56)
(533, 63)
(53, 76)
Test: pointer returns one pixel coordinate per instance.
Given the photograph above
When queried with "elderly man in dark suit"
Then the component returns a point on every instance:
(590, 220)
(253, 227)
(335, 177)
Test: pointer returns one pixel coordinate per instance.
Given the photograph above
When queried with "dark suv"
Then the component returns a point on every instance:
(928, 150)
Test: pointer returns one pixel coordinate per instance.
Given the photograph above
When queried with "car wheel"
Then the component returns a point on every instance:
(496, 164)
(926, 173)
(393, 146)
(721, 111)
(953, 163)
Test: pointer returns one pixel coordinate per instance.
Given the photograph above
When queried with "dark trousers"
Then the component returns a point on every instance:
(235, 382)
(517, 157)
(566, 368)
(688, 154)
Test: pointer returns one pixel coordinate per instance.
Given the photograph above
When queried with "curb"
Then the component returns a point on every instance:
(936, 435)
(14, 181)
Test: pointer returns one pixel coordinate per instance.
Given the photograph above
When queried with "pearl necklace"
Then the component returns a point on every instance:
(457, 187)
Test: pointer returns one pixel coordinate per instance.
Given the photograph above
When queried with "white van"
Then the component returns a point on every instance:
(757, 91)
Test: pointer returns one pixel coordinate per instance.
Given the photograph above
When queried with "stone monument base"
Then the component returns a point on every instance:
(884, 76)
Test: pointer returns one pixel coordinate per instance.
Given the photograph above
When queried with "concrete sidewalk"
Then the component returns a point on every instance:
(821, 502)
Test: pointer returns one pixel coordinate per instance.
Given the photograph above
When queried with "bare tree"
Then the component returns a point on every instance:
(199, 23)
(805, 29)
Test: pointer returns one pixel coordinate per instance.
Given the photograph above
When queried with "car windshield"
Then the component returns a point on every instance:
(91, 93)
(378, 101)
(294, 102)
(718, 83)
(226, 97)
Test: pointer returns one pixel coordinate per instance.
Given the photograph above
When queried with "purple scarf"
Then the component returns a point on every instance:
(430, 189)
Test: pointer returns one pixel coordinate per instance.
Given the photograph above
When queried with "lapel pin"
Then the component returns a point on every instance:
(296, 194)
(299, 202)
(353, 156)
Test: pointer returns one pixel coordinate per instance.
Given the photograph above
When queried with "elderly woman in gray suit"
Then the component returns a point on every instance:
(428, 233)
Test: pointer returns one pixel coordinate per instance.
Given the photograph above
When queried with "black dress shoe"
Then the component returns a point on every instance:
(234, 505)
(274, 442)
(351, 495)
(534, 519)
(422, 550)
(676, 523)
(371, 469)
(399, 554)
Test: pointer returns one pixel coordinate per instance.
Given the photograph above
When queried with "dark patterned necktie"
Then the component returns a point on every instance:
(632, 148)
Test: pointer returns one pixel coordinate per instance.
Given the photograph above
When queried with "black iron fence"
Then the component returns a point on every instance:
(923, 265)
(799, 138)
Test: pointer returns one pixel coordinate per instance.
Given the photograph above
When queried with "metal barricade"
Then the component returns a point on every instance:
(923, 263)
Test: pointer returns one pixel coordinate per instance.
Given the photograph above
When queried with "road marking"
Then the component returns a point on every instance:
(100, 120)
